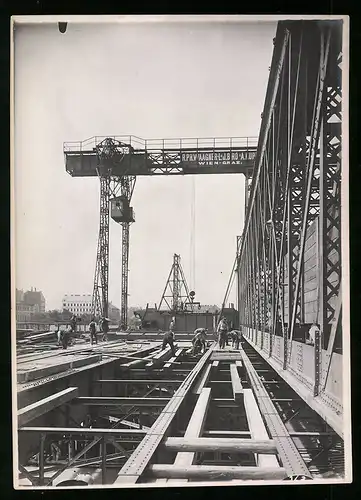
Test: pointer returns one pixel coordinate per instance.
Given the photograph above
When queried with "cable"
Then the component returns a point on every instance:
(192, 251)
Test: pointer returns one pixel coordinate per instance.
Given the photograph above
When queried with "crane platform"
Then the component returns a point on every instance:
(131, 155)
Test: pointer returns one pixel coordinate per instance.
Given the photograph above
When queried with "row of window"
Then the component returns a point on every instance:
(77, 304)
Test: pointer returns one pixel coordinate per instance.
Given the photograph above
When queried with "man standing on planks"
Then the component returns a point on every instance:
(104, 327)
(199, 340)
(93, 332)
(168, 339)
(222, 332)
(236, 338)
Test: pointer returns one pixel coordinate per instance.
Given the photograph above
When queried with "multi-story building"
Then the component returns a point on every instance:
(24, 312)
(82, 304)
(34, 297)
(78, 304)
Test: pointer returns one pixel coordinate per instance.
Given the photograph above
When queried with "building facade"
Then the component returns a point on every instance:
(34, 297)
(24, 312)
(29, 303)
(78, 304)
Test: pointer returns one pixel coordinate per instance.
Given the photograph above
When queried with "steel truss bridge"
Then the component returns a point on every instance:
(271, 409)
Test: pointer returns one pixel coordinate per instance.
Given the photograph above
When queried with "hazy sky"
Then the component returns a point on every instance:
(155, 80)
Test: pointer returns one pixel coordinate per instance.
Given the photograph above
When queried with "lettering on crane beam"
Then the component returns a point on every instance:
(218, 158)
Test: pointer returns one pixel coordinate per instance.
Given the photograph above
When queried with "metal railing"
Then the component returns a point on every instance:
(165, 144)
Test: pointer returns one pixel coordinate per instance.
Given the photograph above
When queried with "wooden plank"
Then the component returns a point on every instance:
(180, 473)
(236, 383)
(159, 357)
(231, 445)
(132, 425)
(139, 381)
(203, 379)
(45, 405)
(169, 365)
(84, 430)
(119, 401)
(137, 362)
(194, 428)
(257, 428)
(227, 433)
(239, 363)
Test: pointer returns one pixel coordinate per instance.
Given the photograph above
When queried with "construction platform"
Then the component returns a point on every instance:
(125, 412)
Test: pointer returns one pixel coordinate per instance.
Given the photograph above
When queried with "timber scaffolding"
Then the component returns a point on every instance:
(127, 412)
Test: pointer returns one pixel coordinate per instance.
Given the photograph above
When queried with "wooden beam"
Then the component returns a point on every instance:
(231, 445)
(202, 381)
(194, 428)
(45, 405)
(84, 430)
(178, 473)
(257, 428)
(138, 361)
(163, 355)
(138, 381)
(227, 433)
(236, 383)
(132, 425)
(169, 365)
(114, 401)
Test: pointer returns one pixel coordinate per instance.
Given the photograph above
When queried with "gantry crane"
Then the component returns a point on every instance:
(117, 161)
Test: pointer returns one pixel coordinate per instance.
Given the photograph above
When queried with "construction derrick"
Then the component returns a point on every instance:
(176, 293)
(110, 154)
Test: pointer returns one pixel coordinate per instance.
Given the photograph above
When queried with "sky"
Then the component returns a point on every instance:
(152, 80)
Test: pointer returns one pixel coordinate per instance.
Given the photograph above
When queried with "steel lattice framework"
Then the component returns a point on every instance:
(289, 263)
(110, 154)
(176, 288)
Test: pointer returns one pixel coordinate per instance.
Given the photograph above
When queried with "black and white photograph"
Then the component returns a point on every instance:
(180, 251)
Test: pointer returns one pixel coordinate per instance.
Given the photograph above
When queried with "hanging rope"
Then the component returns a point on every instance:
(192, 249)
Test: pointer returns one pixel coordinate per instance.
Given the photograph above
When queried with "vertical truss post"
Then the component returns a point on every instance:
(100, 288)
(127, 184)
(175, 298)
(285, 347)
(41, 459)
(104, 459)
(317, 352)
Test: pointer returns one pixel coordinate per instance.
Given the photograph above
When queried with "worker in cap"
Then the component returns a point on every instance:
(104, 328)
(73, 323)
(236, 336)
(222, 332)
(93, 332)
(172, 324)
(168, 339)
(199, 340)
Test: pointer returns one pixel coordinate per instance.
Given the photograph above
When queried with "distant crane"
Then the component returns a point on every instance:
(176, 293)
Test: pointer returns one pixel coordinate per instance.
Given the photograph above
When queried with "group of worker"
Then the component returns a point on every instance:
(103, 325)
(65, 334)
(199, 342)
(225, 332)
